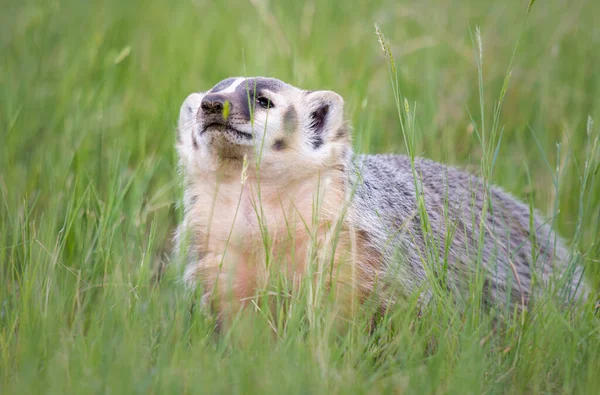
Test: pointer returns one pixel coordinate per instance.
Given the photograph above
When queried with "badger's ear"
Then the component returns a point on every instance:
(324, 116)
(187, 117)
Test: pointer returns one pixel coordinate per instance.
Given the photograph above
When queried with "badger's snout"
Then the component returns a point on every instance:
(212, 110)
(218, 115)
(213, 104)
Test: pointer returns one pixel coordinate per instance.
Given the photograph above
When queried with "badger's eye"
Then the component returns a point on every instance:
(264, 102)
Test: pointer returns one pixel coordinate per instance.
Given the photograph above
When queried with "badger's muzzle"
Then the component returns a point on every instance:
(213, 104)
(214, 118)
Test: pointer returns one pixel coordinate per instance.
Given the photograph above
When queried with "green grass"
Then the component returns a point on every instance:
(89, 97)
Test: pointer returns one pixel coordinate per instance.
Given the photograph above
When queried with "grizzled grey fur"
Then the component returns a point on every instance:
(385, 208)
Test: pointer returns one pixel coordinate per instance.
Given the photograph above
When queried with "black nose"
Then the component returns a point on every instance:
(213, 103)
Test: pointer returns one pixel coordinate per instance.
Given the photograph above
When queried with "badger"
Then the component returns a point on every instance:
(272, 187)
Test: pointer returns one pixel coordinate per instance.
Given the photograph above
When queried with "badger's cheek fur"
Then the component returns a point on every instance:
(217, 153)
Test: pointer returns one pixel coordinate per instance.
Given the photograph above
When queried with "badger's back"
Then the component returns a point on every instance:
(513, 249)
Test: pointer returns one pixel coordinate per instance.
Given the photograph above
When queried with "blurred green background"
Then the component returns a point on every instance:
(86, 82)
(89, 98)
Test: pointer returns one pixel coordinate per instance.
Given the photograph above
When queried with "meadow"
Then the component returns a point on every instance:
(89, 189)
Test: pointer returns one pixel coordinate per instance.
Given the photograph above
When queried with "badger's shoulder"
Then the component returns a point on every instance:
(386, 188)
(438, 183)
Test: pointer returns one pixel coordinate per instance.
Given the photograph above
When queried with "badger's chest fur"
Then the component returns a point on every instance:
(272, 189)
(244, 234)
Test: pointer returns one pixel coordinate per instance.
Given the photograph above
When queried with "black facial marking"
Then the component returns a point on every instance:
(259, 84)
(279, 145)
(317, 123)
(241, 99)
(250, 89)
(290, 120)
(316, 141)
(223, 85)
(318, 118)
(244, 98)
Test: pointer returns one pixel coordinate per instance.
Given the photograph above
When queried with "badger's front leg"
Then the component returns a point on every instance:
(228, 283)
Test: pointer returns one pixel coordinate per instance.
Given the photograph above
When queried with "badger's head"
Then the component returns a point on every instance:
(289, 132)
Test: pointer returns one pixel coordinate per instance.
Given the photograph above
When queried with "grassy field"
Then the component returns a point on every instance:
(89, 98)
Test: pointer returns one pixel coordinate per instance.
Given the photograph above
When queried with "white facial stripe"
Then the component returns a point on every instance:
(231, 88)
